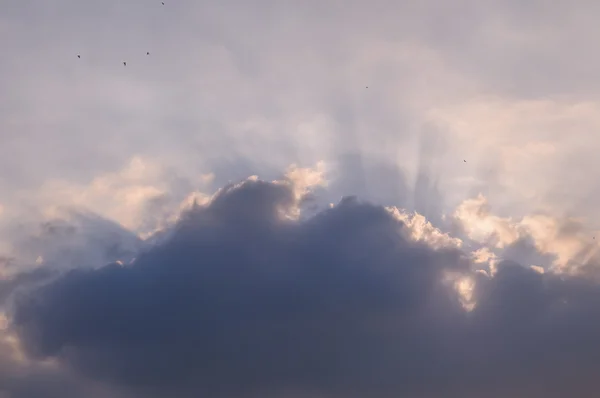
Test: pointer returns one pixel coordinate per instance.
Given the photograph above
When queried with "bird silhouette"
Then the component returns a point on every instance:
(464, 161)
(78, 56)
(124, 63)
(147, 52)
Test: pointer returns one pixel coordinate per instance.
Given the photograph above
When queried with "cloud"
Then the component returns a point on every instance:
(305, 178)
(74, 240)
(493, 83)
(239, 106)
(521, 143)
(131, 196)
(356, 300)
(565, 242)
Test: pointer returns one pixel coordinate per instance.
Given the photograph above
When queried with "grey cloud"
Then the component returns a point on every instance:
(523, 251)
(240, 302)
(19, 380)
(81, 239)
(290, 303)
(24, 280)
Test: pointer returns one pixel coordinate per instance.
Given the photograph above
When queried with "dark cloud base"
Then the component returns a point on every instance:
(242, 302)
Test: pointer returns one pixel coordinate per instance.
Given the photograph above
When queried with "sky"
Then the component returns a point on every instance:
(299, 199)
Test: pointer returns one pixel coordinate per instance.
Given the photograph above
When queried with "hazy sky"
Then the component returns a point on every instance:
(481, 116)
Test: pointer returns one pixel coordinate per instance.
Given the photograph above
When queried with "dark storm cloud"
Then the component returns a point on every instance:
(242, 302)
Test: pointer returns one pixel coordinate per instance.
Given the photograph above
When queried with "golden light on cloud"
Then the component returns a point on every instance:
(483, 255)
(422, 230)
(566, 239)
(119, 196)
(537, 269)
(123, 196)
(304, 179)
(465, 287)
(484, 227)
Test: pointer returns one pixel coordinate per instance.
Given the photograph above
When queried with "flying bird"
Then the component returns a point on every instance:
(464, 161)
(163, 3)
(78, 56)
(147, 52)
(124, 63)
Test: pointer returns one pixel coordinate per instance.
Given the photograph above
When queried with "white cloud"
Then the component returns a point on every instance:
(124, 196)
(537, 268)
(568, 240)
(119, 196)
(423, 230)
(465, 288)
(484, 227)
(305, 179)
(540, 152)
